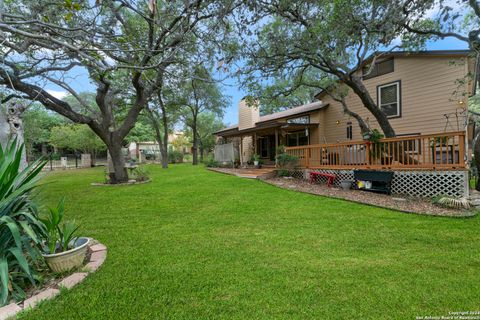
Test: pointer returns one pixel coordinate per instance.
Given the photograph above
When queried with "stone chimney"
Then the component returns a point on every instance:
(247, 115)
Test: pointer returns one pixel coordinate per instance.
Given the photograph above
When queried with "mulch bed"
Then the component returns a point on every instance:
(396, 202)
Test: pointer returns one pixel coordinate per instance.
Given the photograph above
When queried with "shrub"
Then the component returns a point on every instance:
(283, 173)
(20, 228)
(285, 160)
(140, 174)
(55, 156)
(211, 163)
(175, 156)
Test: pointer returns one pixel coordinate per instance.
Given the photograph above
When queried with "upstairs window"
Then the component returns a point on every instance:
(388, 99)
(299, 120)
(298, 138)
(380, 68)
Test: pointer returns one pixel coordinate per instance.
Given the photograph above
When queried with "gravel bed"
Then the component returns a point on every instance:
(397, 202)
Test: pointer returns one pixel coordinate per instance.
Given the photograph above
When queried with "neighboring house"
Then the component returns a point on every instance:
(150, 151)
(424, 94)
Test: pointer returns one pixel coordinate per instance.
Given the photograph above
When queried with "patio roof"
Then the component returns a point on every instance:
(268, 121)
(266, 126)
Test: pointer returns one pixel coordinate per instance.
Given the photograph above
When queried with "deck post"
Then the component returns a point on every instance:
(241, 150)
(276, 145)
(307, 157)
(461, 151)
(367, 156)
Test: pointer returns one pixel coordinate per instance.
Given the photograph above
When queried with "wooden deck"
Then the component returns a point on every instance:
(441, 151)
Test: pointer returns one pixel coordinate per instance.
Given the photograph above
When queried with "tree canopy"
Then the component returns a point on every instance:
(126, 48)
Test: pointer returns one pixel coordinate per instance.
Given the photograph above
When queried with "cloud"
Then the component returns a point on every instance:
(58, 94)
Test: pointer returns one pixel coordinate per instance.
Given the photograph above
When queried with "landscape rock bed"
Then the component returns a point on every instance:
(97, 253)
(400, 203)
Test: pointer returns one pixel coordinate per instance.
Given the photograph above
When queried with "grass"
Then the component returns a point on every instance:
(195, 244)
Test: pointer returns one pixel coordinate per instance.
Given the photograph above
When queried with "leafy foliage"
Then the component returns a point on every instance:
(140, 174)
(59, 237)
(211, 163)
(285, 160)
(20, 228)
(37, 124)
(78, 137)
(207, 123)
(175, 156)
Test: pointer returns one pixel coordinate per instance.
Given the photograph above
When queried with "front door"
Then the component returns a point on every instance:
(272, 147)
(266, 146)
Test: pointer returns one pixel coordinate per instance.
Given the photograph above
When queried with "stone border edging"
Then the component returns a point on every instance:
(98, 254)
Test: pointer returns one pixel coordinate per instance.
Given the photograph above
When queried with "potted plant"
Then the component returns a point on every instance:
(236, 163)
(373, 138)
(256, 160)
(62, 249)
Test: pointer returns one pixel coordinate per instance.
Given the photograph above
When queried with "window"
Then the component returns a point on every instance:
(388, 99)
(299, 120)
(381, 67)
(349, 130)
(297, 138)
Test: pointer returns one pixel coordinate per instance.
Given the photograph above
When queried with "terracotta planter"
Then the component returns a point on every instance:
(64, 261)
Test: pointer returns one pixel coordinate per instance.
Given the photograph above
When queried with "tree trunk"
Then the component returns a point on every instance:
(195, 136)
(4, 127)
(164, 147)
(359, 88)
(201, 151)
(195, 143)
(119, 174)
(162, 141)
(44, 149)
(476, 154)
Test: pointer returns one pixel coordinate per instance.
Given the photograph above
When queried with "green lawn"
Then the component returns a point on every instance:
(195, 244)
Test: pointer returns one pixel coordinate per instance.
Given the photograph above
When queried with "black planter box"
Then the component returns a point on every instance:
(381, 180)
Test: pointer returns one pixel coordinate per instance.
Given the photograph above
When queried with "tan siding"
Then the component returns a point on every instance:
(427, 93)
(247, 116)
(247, 148)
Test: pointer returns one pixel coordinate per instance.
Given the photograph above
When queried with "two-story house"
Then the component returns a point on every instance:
(424, 94)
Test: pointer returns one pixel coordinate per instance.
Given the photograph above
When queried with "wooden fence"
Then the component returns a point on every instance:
(433, 151)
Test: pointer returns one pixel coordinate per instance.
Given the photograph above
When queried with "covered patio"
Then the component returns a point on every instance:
(264, 139)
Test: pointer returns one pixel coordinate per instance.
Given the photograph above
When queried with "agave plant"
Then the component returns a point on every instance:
(20, 228)
(449, 202)
(59, 236)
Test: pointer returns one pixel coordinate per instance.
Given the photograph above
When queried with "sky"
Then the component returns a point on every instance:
(230, 86)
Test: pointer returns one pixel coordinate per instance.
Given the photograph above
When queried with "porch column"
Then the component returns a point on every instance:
(255, 143)
(276, 145)
(241, 150)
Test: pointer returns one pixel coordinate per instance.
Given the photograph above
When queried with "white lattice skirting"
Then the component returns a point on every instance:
(413, 183)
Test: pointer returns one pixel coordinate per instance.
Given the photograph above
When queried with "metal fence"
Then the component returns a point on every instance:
(68, 161)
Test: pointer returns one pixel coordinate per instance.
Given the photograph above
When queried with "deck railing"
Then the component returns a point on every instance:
(433, 151)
